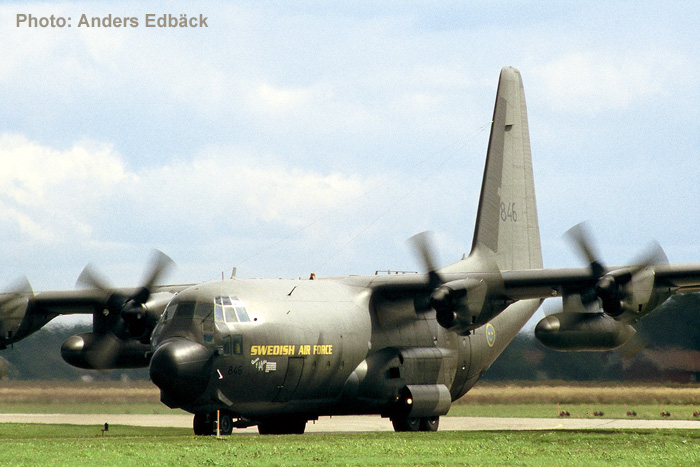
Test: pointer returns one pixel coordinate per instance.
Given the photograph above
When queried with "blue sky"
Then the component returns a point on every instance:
(289, 138)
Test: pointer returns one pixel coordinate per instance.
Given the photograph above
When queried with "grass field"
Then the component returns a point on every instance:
(71, 445)
(124, 445)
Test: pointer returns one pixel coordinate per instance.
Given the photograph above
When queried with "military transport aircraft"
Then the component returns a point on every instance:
(278, 353)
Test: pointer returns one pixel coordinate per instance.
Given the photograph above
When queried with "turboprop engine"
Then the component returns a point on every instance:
(582, 331)
(104, 351)
(600, 317)
(463, 305)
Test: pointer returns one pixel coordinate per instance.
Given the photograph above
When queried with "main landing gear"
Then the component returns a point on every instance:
(403, 424)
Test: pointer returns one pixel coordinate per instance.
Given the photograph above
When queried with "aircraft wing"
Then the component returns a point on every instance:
(23, 312)
(466, 301)
(545, 283)
(542, 283)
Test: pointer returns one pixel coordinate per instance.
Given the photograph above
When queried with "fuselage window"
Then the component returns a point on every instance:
(233, 345)
(237, 344)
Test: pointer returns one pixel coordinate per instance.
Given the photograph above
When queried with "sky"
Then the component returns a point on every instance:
(294, 137)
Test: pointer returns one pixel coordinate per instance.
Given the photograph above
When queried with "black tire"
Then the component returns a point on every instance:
(225, 423)
(406, 424)
(203, 424)
(282, 426)
(429, 423)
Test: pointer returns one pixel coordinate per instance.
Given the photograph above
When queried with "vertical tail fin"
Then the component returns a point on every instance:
(506, 223)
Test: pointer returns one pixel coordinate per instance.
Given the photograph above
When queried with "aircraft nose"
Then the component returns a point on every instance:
(181, 369)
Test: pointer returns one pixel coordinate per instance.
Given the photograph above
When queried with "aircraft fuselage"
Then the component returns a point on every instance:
(306, 348)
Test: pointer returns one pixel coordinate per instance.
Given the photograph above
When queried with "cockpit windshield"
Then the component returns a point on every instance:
(230, 310)
(188, 310)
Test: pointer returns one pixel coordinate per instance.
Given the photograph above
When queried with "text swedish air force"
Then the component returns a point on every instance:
(150, 20)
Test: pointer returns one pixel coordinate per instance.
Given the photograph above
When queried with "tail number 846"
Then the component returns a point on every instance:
(508, 212)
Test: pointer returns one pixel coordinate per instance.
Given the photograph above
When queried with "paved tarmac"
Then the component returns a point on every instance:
(350, 424)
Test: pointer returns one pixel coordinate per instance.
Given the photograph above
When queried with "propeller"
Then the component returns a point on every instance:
(463, 304)
(422, 246)
(610, 286)
(133, 304)
(125, 314)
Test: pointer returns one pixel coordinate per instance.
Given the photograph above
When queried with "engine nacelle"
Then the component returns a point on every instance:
(628, 296)
(93, 351)
(16, 321)
(424, 400)
(463, 305)
(582, 331)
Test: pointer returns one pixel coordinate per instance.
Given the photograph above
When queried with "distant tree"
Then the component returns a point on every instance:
(676, 324)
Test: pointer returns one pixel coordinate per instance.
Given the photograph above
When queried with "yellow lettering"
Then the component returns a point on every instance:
(323, 349)
(284, 350)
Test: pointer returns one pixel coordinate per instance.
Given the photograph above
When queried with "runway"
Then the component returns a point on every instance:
(350, 424)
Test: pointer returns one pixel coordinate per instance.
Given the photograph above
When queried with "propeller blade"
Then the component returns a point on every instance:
(91, 278)
(103, 352)
(160, 264)
(422, 246)
(581, 238)
(654, 254)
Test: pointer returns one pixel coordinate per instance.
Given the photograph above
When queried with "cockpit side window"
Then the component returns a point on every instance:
(184, 310)
(169, 311)
(203, 311)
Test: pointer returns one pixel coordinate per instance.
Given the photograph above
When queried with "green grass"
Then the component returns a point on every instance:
(82, 445)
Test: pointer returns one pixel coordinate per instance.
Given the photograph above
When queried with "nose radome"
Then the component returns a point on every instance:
(181, 369)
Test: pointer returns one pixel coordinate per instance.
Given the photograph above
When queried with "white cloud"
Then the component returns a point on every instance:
(593, 81)
(49, 193)
(85, 192)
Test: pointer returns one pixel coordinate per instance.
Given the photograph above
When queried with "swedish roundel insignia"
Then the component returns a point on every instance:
(490, 335)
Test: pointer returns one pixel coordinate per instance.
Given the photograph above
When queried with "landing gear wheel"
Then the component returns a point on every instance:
(412, 424)
(429, 423)
(225, 423)
(282, 426)
(203, 424)
(405, 424)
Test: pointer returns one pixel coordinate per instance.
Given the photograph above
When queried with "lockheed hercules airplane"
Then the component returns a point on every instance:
(278, 353)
